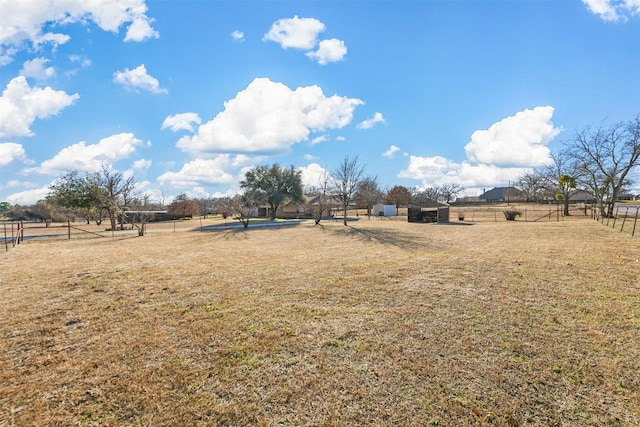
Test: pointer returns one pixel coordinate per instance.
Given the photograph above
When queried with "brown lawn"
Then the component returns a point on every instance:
(382, 323)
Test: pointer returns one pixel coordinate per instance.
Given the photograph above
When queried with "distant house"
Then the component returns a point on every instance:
(582, 196)
(502, 194)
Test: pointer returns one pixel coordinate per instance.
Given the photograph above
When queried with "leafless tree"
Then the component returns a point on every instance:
(605, 157)
(369, 193)
(319, 198)
(533, 185)
(243, 207)
(345, 179)
(448, 193)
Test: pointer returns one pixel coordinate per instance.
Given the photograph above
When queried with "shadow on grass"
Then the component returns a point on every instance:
(237, 230)
(401, 239)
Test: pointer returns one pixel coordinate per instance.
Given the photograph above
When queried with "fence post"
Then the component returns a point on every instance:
(69, 228)
(615, 216)
(624, 219)
(6, 242)
(633, 232)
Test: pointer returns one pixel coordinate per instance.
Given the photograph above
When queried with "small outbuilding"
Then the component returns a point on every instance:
(429, 212)
(384, 210)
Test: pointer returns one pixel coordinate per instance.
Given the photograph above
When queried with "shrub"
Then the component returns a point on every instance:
(511, 214)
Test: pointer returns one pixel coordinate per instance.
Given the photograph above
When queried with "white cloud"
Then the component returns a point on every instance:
(311, 174)
(138, 79)
(21, 104)
(269, 117)
(604, 8)
(332, 50)
(237, 35)
(37, 69)
(82, 60)
(613, 10)
(24, 25)
(217, 170)
(391, 151)
(28, 197)
(298, 33)
(11, 152)
(182, 121)
(428, 168)
(90, 158)
(369, 123)
(142, 164)
(318, 139)
(520, 140)
(141, 30)
(496, 156)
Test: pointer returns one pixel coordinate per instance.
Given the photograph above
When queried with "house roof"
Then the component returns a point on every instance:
(500, 193)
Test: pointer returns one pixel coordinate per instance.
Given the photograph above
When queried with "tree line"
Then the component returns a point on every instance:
(597, 160)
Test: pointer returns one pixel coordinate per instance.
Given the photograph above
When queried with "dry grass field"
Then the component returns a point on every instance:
(383, 323)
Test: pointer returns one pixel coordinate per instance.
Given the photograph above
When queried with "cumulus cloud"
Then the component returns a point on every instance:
(11, 152)
(609, 10)
(332, 50)
(268, 117)
(90, 158)
(182, 121)
(29, 24)
(142, 164)
(302, 33)
(138, 79)
(237, 35)
(217, 170)
(391, 151)
(298, 33)
(141, 30)
(21, 104)
(311, 174)
(371, 122)
(28, 197)
(520, 140)
(495, 156)
(37, 69)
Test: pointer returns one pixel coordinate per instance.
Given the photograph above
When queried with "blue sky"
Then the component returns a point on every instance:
(186, 95)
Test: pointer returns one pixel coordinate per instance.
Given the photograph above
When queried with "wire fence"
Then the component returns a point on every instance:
(13, 234)
(624, 219)
(528, 213)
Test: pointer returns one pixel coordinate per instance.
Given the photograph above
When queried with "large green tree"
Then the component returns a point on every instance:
(79, 193)
(107, 190)
(274, 185)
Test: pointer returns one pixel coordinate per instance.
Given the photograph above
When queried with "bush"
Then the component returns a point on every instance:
(511, 214)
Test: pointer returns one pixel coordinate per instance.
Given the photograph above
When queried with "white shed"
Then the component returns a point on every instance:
(384, 210)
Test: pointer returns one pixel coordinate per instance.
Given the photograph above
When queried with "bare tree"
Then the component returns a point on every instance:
(319, 198)
(140, 214)
(114, 191)
(533, 185)
(605, 156)
(243, 207)
(345, 180)
(368, 193)
(448, 193)
(430, 194)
